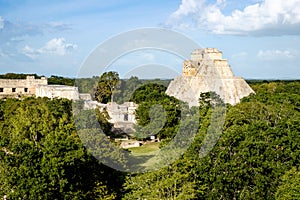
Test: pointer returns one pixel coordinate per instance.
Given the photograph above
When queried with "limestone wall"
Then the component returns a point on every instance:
(122, 116)
(15, 88)
(20, 87)
(207, 62)
(57, 91)
(212, 74)
(188, 89)
(206, 54)
(189, 71)
(122, 113)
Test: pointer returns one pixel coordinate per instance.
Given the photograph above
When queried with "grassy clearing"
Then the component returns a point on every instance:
(146, 149)
(144, 156)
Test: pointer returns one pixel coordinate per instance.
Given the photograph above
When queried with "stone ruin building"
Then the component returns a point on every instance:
(207, 71)
(17, 88)
(121, 115)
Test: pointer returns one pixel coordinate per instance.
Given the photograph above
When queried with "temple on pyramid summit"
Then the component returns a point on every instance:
(207, 71)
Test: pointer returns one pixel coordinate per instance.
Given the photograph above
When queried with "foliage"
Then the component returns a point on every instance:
(17, 76)
(127, 88)
(259, 143)
(52, 80)
(91, 119)
(207, 99)
(158, 113)
(290, 187)
(123, 91)
(42, 156)
(178, 181)
(87, 85)
(256, 157)
(58, 80)
(106, 86)
(149, 92)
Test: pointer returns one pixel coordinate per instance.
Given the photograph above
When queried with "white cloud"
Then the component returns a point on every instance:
(57, 46)
(12, 34)
(30, 52)
(276, 54)
(268, 17)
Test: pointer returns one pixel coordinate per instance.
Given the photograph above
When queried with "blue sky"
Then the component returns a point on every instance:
(260, 38)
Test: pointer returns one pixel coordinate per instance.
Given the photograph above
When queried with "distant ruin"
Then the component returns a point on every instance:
(122, 116)
(17, 88)
(207, 71)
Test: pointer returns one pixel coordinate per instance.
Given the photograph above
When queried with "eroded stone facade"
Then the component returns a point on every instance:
(16, 88)
(207, 71)
(121, 115)
(20, 87)
(57, 91)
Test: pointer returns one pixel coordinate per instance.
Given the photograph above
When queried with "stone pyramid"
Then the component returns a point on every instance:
(207, 71)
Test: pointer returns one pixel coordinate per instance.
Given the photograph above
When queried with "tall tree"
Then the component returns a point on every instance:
(106, 87)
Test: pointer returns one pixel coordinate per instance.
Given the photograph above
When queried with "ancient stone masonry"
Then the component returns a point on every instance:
(20, 87)
(16, 88)
(124, 113)
(207, 71)
(57, 91)
(121, 115)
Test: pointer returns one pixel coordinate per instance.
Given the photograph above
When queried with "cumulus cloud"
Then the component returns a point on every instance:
(268, 17)
(56, 46)
(276, 54)
(12, 34)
